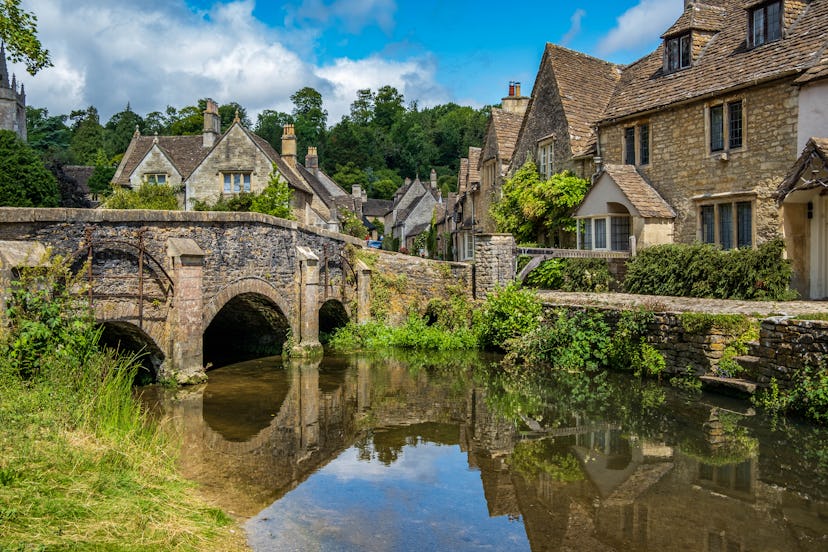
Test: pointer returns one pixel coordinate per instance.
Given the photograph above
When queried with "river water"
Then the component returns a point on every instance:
(433, 452)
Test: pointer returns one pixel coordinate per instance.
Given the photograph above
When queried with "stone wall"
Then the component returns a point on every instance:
(682, 167)
(786, 346)
(495, 262)
(400, 282)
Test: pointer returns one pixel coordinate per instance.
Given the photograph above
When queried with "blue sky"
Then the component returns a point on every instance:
(152, 53)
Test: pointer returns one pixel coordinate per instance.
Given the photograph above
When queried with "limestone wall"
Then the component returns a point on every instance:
(495, 261)
(786, 346)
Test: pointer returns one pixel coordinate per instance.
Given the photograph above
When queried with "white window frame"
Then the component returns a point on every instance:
(236, 182)
(546, 158)
(156, 178)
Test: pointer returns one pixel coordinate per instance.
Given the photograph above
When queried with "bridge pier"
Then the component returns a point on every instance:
(363, 277)
(307, 342)
(185, 361)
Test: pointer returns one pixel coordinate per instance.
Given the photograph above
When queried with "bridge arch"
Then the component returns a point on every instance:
(247, 319)
(333, 314)
(129, 338)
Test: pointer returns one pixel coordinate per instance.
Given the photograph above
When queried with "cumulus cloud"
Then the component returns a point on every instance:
(353, 15)
(637, 26)
(574, 27)
(159, 52)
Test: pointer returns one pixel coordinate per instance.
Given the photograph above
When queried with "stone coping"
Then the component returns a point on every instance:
(29, 215)
(661, 303)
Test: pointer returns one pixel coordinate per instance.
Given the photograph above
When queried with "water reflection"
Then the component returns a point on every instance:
(310, 449)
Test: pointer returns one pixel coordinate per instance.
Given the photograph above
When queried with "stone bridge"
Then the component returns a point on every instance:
(195, 288)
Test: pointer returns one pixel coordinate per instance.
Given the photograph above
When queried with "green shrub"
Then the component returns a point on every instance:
(586, 275)
(703, 270)
(147, 196)
(507, 313)
(701, 323)
(241, 202)
(548, 275)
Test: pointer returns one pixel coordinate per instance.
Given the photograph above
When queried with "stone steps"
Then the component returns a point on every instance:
(729, 386)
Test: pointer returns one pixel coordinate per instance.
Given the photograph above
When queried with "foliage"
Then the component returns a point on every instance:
(702, 270)
(453, 313)
(18, 31)
(807, 394)
(81, 464)
(350, 223)
(147, 196)
(629, 349)
(275, 199)
(48, 135)
(687, 381)
(310, 119)
(87, 136)
(539, 210)
(349, 175)
(728, 367)
(587, 275)
(507, 313)
(240, 203)
(100, 183)
(700, 323)
(24, 180)
(416, 333)
(548, 275)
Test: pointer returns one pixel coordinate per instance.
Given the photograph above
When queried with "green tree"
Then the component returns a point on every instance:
(536, 210)
(310, 119)
(269, 125)
(362, 109)
(350, 223)
(119, 130)
(49, 135)
(276, 198)
(388, 107)
(87, 136)
(188, 121)
(227, 113)
(18, 31)
(24, 180)
(349, 176)
(158, 197)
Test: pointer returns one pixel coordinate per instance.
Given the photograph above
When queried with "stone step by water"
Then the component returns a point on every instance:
(729, 386)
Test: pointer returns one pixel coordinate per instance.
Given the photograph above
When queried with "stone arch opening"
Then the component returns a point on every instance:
(332, 316)
(129, 339)
(248, 326)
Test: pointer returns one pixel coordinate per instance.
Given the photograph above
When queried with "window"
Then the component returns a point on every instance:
(765, 24)
(730, 134)
(156, 178)
(718, 225)
(235, 182)
(644, 144)
(629, 146)
(620, 233)
(588, 234)
(600, 233)
(546, 160)
(679, 52)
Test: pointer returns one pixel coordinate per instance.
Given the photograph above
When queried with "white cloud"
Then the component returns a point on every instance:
(157, 53)
(354, 15)
(574, 27)
(639, 25)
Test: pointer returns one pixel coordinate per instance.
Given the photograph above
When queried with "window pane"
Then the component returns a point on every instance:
(588, 234)
(644, 144)
(726, 225)
(734, 111)
(629, 146)
(542, 161)
(744, 224)
(685, 51)
(246, 182)
(620, 232)
(236, 182)
(227, 183)
(774, 22)
(672, 54)
(600, 233)
(758, 26)
(161, 178)
(708, 234)
(716, 129)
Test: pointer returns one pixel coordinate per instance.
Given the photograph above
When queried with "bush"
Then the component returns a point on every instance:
(587, 275)
(548, 275)
(507, 313)
(703, 270)
(24, 180)
(147, 196)
(237, 203)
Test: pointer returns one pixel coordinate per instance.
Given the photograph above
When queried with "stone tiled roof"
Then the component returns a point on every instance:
(817, 72)
(701, 17)
(474, 163)
(506, 126)
(463, 174)
(377, 207)
(815, 151)
(585, 85)
(418, 229)
(646, 200)
(724, 64)
(185, 152)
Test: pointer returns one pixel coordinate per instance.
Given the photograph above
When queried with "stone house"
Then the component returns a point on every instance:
(464, 208)
(12, 100)
(214, 165)
(412, 210)
(712, 121)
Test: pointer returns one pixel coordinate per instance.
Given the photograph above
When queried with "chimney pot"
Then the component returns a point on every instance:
(511, 88)
(312, 160)
(517, 88)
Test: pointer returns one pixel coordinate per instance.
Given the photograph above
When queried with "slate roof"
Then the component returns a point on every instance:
(506, 126)
(377, 207)
(185, 152)
(585, 85)
(646, 200)
(816, 150)
(724, 64)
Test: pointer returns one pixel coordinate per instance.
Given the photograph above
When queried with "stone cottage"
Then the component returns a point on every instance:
(412, 210)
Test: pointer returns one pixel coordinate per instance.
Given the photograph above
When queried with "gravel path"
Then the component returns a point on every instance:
(660, 303)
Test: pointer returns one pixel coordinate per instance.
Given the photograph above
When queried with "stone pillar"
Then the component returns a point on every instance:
(308, 323)
(184, 363)
(363, 275)
(495, 258)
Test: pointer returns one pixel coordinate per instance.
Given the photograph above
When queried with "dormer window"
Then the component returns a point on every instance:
(679, 52)
(765, 24)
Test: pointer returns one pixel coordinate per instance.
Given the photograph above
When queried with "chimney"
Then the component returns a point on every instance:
(212, 124)
(289, 145)
(514, 102)
(312, 160)
(433, 179)
(356, 191)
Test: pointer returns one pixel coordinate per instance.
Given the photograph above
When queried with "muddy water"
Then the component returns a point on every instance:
(425, 452)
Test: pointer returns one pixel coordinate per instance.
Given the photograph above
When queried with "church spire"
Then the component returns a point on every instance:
(4, 71)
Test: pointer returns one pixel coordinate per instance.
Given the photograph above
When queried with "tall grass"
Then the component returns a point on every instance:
(81, 467)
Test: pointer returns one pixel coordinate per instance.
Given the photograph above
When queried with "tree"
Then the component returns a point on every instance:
(18, 31)
(310, 119)
(350, 224)
(87, 136)
(119, 130)
(228, 112)
(270, 124)
(188, 121)
(388, 107)
(538, 210)
(276, 198)
(24, 180)
(48, 135)
(349, 176)
(362, 109)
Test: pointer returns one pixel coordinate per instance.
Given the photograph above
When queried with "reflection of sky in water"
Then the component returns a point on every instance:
(427, 500)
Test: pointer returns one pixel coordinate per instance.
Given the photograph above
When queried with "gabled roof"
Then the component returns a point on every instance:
(815, 157)
(698, 17)
(724, 64)
(377, 207)
(185, 152)
(474, 165)
(503, 127)
(646, 200)
(292, 176)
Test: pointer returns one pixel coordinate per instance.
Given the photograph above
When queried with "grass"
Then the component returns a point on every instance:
(822, 316)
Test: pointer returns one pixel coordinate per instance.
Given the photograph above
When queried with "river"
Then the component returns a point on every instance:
(421, 451)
